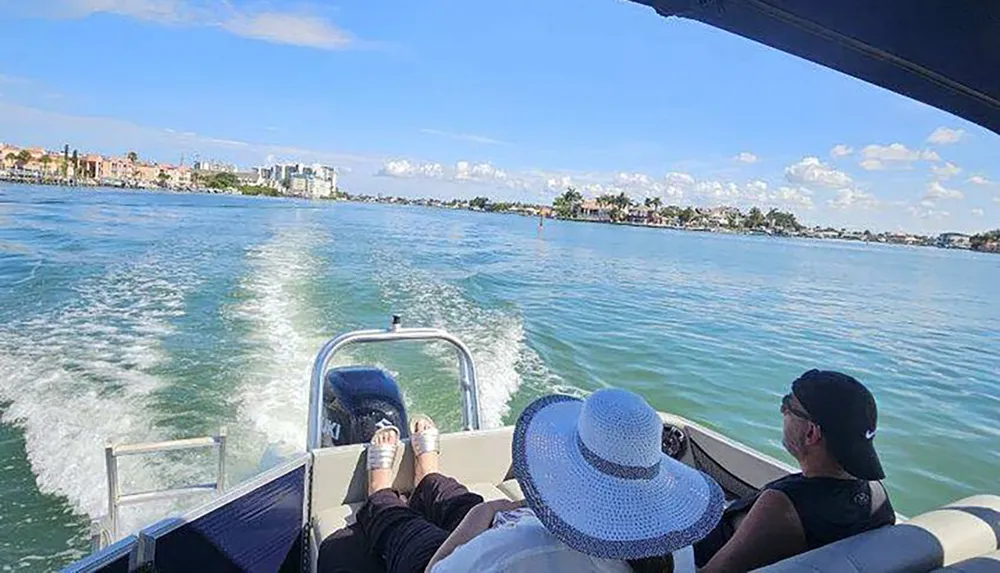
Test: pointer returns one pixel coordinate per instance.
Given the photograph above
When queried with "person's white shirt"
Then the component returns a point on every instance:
(527, 547)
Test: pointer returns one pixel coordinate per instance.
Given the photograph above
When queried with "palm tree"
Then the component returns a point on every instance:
(23, 157)
(622, 204)
(568, 204)
(754, 219)
(45, 162)
(133, 158)
(653, 203)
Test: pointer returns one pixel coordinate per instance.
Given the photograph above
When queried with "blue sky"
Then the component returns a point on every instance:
(515, 100)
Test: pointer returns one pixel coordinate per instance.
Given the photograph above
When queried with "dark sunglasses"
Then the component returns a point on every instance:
(788, 408)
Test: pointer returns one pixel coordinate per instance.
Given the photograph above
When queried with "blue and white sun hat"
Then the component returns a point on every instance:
(594, 473)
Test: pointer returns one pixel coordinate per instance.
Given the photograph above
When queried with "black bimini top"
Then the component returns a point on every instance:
(945, 53)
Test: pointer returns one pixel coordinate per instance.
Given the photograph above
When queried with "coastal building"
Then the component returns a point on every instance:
(178, 177)
(252, 177)
(954, 241)
(593, 211)
(298, 179)
(311, 185)
(209, 166)
(115, 171)
(641, 215)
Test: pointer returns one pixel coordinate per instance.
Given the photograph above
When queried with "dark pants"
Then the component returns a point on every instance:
(394, 536)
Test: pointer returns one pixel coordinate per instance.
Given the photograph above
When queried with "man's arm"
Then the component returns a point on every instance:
(770, 532)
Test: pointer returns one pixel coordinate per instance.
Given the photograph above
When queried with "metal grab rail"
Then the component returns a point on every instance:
(466, 371)
(116, 499)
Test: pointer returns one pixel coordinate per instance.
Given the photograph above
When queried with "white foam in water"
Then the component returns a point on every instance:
(495, 338)
(275, 394)
(79, 375)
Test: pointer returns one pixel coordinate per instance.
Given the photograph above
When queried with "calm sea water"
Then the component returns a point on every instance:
(139, 316)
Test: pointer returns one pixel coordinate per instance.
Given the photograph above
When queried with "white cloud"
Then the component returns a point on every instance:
(935, 190)
(559, 183)
(812, 172)
(295, 28)
(979, 180)
(841, 151)
(872, 165)
(465, 171)
(111, 135)
(996, 199)
(926, 211)
(403, 168)
(725, 191)
(978, 212)
(895, 155)
(945, 135)
(464, 137)
(853, 198)
(946, 171)
(746, 157)
(638, 179)
(794, 196)
(165, 11)
(679, 179)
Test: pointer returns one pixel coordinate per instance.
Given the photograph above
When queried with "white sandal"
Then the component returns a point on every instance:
(383, 456)
(427, 440)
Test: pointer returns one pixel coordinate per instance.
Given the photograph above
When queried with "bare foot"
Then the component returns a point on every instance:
(428, 462)
(381, 478)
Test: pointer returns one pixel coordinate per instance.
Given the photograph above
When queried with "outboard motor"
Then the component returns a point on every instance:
(358, 400)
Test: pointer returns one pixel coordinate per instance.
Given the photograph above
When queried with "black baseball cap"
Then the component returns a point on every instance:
(846, 413)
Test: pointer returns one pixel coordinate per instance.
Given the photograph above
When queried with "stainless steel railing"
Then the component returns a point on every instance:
(104, 532)
(466, 371)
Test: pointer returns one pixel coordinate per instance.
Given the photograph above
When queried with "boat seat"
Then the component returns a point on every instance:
(989, 563)
(959, 531)
(341, 516)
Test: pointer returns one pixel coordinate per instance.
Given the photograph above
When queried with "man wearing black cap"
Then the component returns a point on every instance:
(829, 427)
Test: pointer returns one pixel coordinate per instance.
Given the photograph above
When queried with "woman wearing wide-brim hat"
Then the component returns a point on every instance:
(602, 495)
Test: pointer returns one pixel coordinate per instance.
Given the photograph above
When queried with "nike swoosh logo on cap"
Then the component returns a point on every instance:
(869, 434)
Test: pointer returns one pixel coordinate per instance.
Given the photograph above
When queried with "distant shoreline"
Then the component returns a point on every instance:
(548, 213)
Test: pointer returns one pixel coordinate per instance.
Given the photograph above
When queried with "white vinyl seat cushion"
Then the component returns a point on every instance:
(341, 516)
(944, 537)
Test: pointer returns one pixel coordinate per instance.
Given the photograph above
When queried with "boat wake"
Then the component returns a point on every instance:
(280, 343)
(85, 373)
(496, 337)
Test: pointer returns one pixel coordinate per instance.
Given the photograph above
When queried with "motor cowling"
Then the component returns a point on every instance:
(358, 400)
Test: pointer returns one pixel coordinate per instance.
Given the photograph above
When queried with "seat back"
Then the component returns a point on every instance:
(956, 532)
(340, 475)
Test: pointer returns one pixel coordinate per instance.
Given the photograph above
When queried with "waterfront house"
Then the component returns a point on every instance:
(177, 177)
(954, 241)
(591, 210)
(641, 215)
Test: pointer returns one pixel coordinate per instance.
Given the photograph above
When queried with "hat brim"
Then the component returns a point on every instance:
(598, 513)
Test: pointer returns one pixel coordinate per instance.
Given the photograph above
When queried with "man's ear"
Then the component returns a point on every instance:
(814, 434)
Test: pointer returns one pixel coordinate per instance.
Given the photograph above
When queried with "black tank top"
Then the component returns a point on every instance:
(832, 509)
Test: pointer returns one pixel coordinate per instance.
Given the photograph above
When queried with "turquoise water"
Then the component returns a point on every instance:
(139, 316)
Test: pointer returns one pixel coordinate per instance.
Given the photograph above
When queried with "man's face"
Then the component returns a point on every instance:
(796, 426)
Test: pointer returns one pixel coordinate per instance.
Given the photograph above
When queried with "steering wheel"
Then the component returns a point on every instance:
(674, 441)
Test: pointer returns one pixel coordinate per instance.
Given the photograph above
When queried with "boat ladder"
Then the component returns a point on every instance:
(104, 531)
